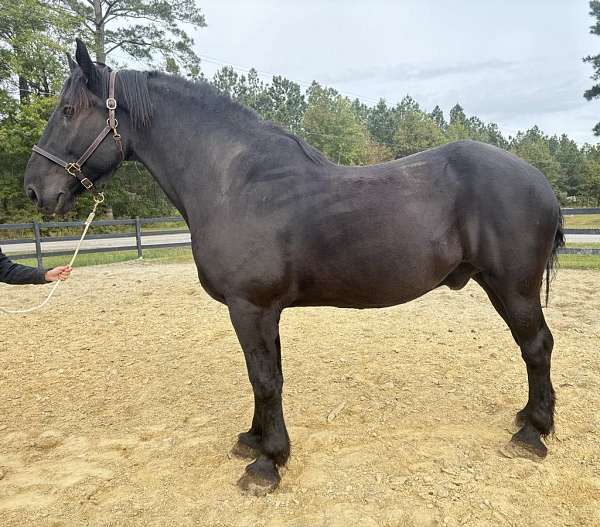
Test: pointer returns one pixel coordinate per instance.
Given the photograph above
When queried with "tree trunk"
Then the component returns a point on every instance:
(99, 33)
(46, 86)
(23, 90)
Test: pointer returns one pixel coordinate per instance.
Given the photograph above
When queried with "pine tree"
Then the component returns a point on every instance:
(594, 91)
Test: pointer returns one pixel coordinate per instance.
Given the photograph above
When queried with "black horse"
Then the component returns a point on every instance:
(274, 224)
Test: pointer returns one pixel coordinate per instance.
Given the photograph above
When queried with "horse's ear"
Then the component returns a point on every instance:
(85, 61)
(72, 63)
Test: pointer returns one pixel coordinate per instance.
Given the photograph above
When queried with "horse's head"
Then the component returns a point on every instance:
(80, 115)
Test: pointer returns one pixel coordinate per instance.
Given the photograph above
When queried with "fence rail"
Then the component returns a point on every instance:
(593, 232)
(138, 234)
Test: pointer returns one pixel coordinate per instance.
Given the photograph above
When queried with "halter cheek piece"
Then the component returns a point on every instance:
(74, 168)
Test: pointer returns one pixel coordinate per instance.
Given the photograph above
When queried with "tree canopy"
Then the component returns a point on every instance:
(594, 60)
(148, 31)
(34, 34)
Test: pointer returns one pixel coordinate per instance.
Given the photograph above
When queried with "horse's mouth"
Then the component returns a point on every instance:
(63, 204)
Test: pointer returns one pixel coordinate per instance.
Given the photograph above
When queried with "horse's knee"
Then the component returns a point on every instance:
(535, 357)
(267, 390)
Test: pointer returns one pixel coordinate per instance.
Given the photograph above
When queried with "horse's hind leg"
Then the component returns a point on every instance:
(523, 313)
(494, 299)
(258, 332)
(536, 342)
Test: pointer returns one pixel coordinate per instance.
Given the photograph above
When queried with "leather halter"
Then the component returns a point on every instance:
(74, 168)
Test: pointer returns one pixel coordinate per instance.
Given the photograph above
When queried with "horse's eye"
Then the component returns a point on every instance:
(68, 111)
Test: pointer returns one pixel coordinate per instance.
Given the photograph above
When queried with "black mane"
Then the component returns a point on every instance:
(210, 98)
(132, 94)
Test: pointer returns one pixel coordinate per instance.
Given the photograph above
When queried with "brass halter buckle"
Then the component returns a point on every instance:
(87, 183)
(73, 169)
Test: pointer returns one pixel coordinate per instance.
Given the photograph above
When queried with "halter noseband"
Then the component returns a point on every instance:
(74, 168)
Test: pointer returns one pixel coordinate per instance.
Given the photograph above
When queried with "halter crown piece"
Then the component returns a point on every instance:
(74, 168)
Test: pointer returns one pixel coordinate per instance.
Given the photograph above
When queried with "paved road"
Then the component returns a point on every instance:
(47, 247)
(587, 238)
(170, 238)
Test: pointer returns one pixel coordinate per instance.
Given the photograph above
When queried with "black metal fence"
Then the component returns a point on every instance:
(595, 232)
(139, 234)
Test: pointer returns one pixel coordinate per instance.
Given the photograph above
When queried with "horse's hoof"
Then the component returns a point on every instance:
(255, 485)
(260, 478)
(528, 438)
(243, 451)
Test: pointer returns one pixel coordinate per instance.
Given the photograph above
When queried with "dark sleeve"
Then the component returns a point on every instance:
(13, 273)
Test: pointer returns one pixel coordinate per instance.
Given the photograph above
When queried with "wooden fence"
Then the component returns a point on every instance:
(139, 234)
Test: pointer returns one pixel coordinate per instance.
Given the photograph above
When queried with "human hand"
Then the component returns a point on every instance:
(58, 273)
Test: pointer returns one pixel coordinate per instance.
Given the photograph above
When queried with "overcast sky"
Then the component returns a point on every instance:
(514, 62)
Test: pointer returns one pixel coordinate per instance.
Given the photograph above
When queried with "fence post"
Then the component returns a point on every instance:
(38, 245)
(138, 236)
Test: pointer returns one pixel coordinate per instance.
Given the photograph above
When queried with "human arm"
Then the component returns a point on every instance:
(14, 273)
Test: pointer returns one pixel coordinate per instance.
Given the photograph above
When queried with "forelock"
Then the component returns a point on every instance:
(75, 92)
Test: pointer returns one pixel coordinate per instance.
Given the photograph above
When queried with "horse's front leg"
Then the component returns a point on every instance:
(257, 329)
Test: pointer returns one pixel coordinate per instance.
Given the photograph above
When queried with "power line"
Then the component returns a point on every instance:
(239, 68)
(304, 84)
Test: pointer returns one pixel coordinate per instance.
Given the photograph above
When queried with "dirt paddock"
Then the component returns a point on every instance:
(120, 402)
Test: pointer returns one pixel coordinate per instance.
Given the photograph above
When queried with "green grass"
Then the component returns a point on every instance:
(583, 221)
(584, 245)
(183, 254)
(579, 261)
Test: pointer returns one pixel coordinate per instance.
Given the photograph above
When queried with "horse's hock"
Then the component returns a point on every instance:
(396, 416)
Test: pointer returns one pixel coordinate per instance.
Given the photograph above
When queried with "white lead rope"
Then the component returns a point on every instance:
(97, 200)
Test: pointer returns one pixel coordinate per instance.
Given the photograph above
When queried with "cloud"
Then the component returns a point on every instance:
(515, 94)
(415, 72)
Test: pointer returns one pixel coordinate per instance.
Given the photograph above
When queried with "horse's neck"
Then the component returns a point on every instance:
(184, 153)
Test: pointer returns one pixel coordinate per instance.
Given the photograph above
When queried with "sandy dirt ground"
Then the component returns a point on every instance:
(120, 402)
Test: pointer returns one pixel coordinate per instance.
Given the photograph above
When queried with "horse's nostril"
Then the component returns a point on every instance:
(32, 194)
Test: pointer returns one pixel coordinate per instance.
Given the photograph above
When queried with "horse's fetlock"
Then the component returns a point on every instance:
(277, 448)
(542, 420)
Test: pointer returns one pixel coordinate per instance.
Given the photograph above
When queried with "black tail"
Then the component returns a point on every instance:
(559, 241)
